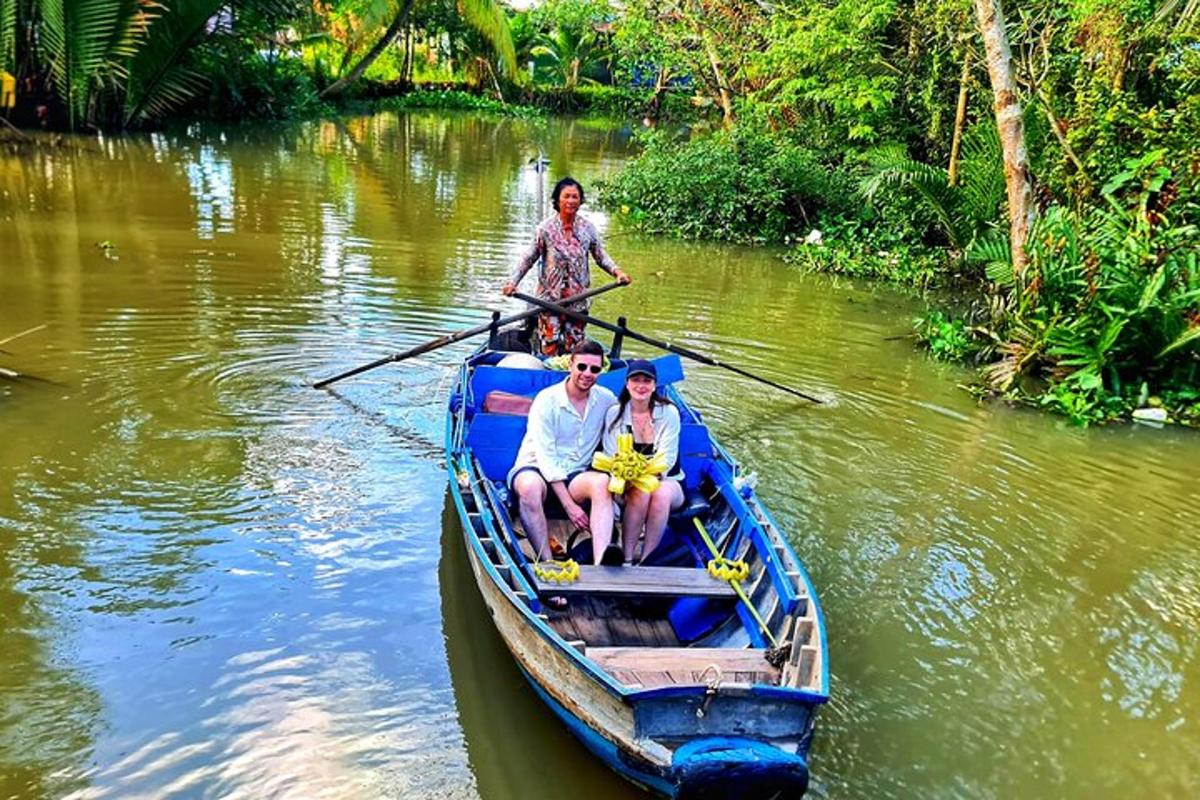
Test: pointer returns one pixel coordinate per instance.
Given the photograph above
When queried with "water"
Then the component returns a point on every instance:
(218, 582)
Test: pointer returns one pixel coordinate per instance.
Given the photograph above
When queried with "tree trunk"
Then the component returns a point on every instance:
(341, 84)
(407, 53)
(723, 94)
(1010, 126)
(960, 118)
(660, 87)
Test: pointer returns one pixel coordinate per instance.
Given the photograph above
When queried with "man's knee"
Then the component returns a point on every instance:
(531, 491)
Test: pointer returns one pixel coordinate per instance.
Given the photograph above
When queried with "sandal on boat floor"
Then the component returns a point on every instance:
(557, 551)
(556, 603)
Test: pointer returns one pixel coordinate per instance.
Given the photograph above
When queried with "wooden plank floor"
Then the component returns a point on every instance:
(611, 622)
(648, 667)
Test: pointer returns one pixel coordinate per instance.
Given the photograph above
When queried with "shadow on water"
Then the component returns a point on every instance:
(48, 710)
(516, 747)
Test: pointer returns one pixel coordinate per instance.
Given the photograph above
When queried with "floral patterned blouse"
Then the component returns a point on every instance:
(564, 260)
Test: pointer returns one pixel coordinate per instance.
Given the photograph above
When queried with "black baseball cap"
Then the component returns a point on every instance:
(640, 366)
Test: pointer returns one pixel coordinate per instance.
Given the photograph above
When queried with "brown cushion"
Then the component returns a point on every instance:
(498, 402)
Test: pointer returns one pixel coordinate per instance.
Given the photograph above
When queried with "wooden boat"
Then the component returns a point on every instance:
(662, 670)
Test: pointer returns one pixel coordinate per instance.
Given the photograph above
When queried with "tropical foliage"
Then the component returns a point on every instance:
(893, 106)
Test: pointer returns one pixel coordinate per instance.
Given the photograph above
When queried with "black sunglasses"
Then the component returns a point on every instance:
(595, 370)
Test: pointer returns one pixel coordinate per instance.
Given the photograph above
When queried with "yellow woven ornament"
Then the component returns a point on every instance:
(726, 569)
(557, 571)
(628, 466)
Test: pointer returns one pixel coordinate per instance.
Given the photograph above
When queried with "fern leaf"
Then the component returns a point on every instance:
(8, 35)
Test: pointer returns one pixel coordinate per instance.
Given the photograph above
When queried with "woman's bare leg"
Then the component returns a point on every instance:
(668, 496)
(594, 486)
(637, 503)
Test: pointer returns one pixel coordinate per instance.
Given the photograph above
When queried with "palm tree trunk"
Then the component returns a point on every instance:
(1011, 128)
(393, 30)
(960, 118)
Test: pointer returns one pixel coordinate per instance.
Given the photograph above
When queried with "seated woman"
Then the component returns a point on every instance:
(654, 422)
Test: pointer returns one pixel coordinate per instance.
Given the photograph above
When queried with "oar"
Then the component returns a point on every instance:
(673, 348)
(451, 338)
(16, 336)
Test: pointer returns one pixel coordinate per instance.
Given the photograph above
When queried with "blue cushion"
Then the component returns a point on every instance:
(494, 440)
(695, 453)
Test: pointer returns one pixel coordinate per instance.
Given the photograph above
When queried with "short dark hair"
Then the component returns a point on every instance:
(588, 348)
(562, 184)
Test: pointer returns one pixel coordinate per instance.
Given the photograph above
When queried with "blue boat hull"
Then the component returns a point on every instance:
(711, 768)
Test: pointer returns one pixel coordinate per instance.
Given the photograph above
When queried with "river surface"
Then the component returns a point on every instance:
(218, 582)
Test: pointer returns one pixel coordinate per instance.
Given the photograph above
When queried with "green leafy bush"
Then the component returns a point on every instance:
(868, 248)
(1108, 310)
(457, 100)
(734, 185)
(247, 86)
(947, 338)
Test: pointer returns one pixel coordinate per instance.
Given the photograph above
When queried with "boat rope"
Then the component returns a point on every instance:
(557, 571)
(629, 466)
(731, 570)
(711, 688)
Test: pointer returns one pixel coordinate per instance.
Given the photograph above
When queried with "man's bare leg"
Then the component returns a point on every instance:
(531, 492)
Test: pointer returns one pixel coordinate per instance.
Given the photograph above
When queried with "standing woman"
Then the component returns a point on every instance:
(654, 422)
(562, 243)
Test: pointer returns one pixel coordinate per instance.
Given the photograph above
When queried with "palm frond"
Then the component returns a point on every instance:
(994, 251)
(88, 42)
(1190, 335)
(488, 17)
(8, 35)
(157, 83)
(891, 169)
(981, 186)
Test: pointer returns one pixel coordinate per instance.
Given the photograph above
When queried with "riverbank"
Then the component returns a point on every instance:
(1102, 324)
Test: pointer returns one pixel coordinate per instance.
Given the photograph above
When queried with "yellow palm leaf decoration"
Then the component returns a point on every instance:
(628, 466)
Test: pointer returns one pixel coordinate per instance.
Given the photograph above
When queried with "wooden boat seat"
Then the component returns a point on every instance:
(642, 582)
(648, 667)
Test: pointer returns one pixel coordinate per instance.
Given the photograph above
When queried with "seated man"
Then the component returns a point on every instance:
(564, 429)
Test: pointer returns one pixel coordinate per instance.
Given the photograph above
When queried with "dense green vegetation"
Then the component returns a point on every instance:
(868, 135)
(118, 64)
(866, 138)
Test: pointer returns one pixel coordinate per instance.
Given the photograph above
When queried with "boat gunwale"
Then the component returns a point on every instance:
(454, 460)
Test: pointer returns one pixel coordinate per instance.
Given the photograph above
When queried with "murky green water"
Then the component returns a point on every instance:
(217, 582)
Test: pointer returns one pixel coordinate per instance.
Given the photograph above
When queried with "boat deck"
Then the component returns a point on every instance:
(614, 622)
(651, 667)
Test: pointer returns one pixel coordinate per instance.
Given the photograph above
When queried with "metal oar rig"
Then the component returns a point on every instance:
(672, 348)
(450, 338)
